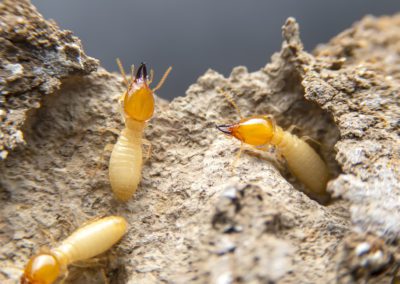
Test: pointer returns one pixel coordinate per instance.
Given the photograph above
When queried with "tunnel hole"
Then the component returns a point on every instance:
(292, 112)
(309, 121)
(61, 114)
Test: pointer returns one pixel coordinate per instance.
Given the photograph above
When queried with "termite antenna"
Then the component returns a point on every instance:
(230, 100)
(273, 121)
(132, 72)
(121, 69)
(164, 77)
(151, 76)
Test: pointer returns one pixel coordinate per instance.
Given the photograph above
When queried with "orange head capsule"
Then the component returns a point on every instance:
(139, 100)
(41, 269)
(256, 131)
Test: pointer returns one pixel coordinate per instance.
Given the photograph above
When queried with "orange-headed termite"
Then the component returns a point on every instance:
(86, 242)
(137, 106)
(261, 131)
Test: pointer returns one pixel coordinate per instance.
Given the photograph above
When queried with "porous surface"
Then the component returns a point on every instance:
(34, 56)
(193, 219)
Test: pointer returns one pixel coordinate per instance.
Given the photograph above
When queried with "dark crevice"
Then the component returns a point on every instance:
(304, 118)
(317, 127)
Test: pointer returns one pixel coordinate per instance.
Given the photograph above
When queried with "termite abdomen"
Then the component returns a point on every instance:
(88, 241)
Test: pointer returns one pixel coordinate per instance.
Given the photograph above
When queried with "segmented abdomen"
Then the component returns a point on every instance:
(304, 163)
(92, 239)
(126, 164)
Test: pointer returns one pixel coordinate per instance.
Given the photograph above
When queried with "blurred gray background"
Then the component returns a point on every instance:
(193, 36)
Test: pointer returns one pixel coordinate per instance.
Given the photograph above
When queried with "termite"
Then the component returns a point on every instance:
(86, 242)
(261, 132)
(137, 107)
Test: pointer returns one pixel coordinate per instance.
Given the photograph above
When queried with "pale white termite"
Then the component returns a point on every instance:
(86, 242)
(261, 131)
(137, 106)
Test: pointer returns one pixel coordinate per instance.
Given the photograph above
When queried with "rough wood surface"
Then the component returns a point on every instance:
(192, 219)
(34, 56)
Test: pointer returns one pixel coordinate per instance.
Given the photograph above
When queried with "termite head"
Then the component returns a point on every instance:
(256, 131)
(43, 268)
(139, 99)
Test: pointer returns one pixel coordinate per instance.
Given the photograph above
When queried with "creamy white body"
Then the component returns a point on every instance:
(125, 168)
(90, 240)
(303, 161)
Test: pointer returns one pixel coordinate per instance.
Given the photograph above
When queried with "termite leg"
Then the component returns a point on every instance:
(48, 235)
(309, 139)
(320, 145)
(239, 153)
(147, 143)
(264, 147)
(108, 148)
(121, 100)
(65, 276)
(292, 127)
(121, 106)
(279, 155)
(89, 263)
(109, 129)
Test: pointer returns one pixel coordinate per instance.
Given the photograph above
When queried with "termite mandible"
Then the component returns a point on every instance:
(261, 131)
(86, 242)
(137, 106)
